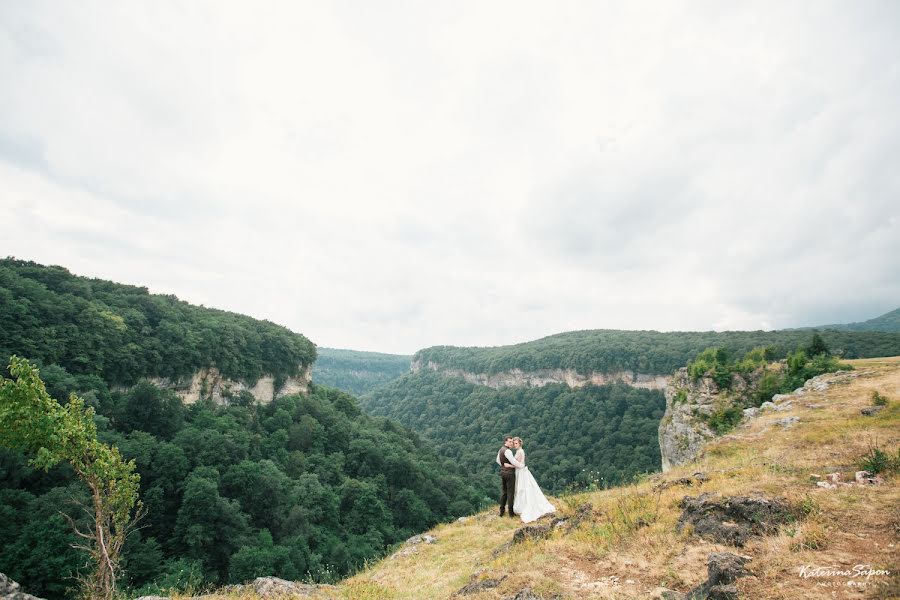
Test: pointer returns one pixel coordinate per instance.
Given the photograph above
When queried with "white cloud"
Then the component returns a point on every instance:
(391, 176)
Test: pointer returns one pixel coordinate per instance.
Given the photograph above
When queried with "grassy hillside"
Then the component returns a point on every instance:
(357, 372)
(650, 352)
(631, 549)
(122, 333)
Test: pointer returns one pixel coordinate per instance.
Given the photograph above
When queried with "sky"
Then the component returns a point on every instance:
(389, 176)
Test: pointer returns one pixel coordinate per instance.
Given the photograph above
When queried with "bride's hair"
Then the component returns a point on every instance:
(518, 439)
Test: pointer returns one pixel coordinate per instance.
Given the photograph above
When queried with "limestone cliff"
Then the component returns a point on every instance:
(542, 377)
(210, 383)
(682, 430)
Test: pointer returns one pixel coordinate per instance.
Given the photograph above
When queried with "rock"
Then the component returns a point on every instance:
(146, 598)
(871, 411)
(531, 532)
(751, 412)
(462, 519)
(787, 422)
(722, 569)
(273, 587)
(667, 594)
(423, 538)
(733, 520)
(473, 587)
(527, 594)
(583, 513)
(766, 405)
(780, 398)
(867, 478)
(682, 433)
(9, 590)
(784, 406)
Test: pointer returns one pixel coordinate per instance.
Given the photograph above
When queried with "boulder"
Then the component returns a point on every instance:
(273, 587)
(722, 569)
(9, 590)
(473, 587)
(871, 411)
(787, 422)
(733, 520)
(423, 538)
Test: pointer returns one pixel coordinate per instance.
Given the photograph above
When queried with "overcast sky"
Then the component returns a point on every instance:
(388, 176)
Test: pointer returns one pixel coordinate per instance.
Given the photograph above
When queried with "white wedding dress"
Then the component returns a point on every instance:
(530, 503)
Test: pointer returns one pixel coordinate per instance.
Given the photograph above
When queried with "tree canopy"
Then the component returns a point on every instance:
(122, 333)
(650, 352)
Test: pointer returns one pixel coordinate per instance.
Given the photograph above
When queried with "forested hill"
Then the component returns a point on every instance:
(575, 437)
(304, 486)
(122, 333)
(889, 321)
(648, 352)
(358, 372)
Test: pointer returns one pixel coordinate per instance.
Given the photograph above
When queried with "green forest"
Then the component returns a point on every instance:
(651, 352)
(357, 372)
(121, 333)
(574, 437)
(307, 487)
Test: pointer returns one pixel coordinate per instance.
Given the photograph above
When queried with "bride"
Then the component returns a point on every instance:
(530, 503)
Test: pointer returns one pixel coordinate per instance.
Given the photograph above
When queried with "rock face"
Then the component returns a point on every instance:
(682, 431)
(9, 590)
(542, 377)
(210, 383)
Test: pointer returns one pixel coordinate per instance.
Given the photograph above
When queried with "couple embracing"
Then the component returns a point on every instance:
(521, 494)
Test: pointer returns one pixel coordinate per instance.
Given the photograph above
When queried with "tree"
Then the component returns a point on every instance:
(32, 421)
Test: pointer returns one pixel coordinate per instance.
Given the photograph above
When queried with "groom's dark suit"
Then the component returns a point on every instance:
(508, 478)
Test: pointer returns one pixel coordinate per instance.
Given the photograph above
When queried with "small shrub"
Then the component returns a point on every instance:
(876, 460)
(878, 399)
(724, 417)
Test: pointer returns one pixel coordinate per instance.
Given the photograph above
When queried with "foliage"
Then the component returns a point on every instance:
(761, 379)
(307, 487)
(651, 352)
(876, 460)
(31, 421)
(122, 333)
(357, 372)
(878, 399)
(572, 436)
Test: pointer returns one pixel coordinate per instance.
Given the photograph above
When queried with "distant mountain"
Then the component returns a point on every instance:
(358, 372)
(889, 321)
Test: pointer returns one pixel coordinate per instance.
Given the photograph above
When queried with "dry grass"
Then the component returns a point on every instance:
(631, 548)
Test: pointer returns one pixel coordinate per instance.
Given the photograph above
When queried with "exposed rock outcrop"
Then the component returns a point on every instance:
(542, 377)
(682, 430)
(9, 590)
(210, 383)
(733, 520)
(722, 569)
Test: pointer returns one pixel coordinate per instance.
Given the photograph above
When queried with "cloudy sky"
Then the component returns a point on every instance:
(394, 175)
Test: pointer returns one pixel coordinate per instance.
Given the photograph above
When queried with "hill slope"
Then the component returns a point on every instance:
(642, 352)
(358, 372)
(630, 546)
(574, 436)
(123, 333)
(889, 321)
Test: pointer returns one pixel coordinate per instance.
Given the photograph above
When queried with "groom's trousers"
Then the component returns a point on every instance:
(509, 491)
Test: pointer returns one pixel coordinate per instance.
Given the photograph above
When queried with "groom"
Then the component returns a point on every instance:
(508, 465)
